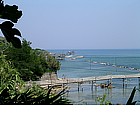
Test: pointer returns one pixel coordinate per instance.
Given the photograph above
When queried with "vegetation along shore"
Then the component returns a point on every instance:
(20, 65)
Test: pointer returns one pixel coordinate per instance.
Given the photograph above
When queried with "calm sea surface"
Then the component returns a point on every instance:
(101, 63)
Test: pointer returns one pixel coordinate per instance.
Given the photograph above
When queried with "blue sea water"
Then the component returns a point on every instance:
(101, 63)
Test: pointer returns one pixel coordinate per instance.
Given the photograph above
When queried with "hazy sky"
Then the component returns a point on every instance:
(80, 24)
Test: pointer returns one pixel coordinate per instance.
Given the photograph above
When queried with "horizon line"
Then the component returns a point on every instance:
(98, 49)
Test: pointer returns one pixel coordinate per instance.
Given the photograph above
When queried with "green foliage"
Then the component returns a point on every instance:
(12, 14)
(53, 64)
(17, 57)
(102, 100)
(30, 63)
(34, 95)
(14, 91)
(9, 77)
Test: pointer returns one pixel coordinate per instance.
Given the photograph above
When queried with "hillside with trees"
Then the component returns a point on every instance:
(30, 63)
(20, 63)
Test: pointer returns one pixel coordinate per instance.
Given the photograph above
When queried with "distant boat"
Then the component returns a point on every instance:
(70, 53)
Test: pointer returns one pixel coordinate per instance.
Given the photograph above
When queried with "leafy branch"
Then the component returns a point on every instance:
(12, 14)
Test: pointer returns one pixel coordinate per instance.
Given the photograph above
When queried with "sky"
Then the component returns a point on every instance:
(80, 24)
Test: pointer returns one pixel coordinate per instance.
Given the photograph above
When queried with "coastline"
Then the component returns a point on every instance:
(109, 62)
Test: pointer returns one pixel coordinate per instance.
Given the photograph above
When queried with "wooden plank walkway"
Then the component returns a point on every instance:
(86, 79)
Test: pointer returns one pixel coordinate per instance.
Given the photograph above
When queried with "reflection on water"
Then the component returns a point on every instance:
(88, 95)
(100, 63)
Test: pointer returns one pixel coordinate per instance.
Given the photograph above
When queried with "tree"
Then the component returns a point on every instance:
(26, 61)
(13, 89)
(12, 14)
(53, 64)
(30, 63)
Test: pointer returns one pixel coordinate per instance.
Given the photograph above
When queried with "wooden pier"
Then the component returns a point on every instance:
(93, 80)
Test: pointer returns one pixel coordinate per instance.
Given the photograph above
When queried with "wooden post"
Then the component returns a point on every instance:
(126, 83)
(123, 82)
(139, 82)
(95, 85)
(111, 81)
(78, 86)
(92, 86)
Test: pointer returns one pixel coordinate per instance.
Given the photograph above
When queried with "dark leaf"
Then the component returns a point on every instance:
(1, 6)
(56, 97)
(133, 103)
(49, 91)
(7, 25)
(16, 32)
(9, 33)
(129, 102)
(11, 13)
(16, 42)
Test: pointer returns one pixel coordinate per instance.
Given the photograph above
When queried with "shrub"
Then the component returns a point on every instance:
(13, 89)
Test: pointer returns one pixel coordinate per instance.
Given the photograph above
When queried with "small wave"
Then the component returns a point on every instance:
(103, 63)
(95, 62)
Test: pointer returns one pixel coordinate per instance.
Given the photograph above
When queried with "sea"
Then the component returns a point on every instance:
(94, 63)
